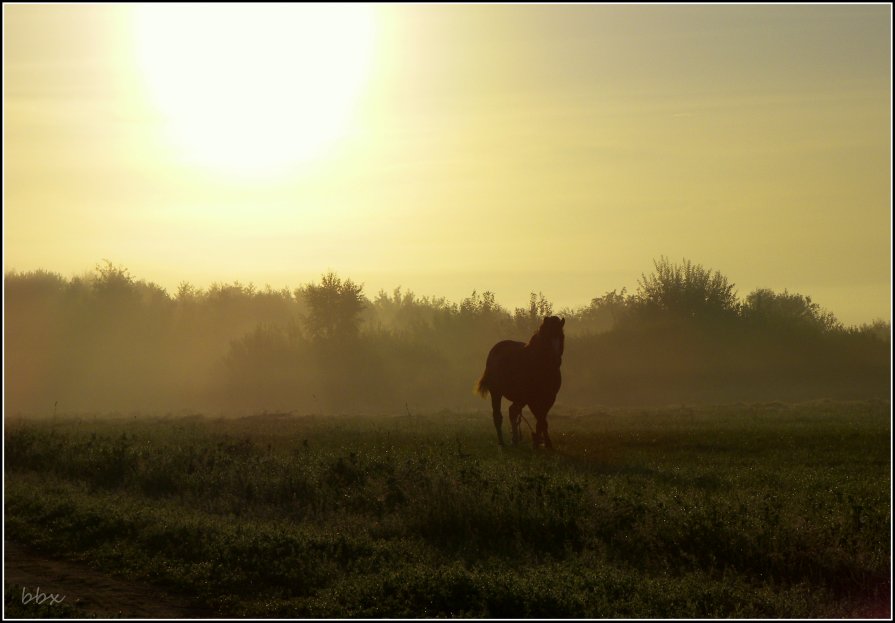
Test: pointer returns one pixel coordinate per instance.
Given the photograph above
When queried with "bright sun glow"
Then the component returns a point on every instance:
(254, 89)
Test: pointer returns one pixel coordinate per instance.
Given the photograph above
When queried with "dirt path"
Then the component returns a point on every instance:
(90, 591)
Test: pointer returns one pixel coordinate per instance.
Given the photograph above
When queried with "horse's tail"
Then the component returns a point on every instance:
(482, 386)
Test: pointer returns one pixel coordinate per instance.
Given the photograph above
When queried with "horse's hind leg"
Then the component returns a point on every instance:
(498, 417)
(515, 419)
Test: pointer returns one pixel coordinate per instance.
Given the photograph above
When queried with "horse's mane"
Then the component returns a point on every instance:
(540, 340)
(535, 341)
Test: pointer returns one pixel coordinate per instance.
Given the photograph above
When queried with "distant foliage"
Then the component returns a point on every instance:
(879, 330)
(107, 340)
(111, 279)
(528, 320)
(685, 291)
(480, 304)
(334, 306)
(787, 312)
(603, 314)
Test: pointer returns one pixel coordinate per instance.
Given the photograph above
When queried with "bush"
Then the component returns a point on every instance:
(685, 291)
(792, 312)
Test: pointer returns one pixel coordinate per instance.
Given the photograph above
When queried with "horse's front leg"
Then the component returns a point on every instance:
(541, 434)
(545, 436)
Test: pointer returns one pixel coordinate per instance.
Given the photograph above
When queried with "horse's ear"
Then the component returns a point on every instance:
(562, 323)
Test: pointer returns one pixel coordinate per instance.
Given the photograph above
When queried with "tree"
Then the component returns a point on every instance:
(335, 307)
(480, 304)
(879, 329)
(766, 308)
(528, 320)
(113, 281)
(686, 291)
(603, 313)
(187, 293)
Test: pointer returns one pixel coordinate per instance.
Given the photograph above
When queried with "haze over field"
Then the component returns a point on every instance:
(454, 148)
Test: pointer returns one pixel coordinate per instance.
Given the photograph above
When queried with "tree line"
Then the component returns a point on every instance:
(110, 341)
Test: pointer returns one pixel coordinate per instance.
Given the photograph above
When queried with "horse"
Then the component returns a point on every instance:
(527, 374)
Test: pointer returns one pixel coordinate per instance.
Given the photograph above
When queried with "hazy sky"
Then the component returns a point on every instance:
(450, 148)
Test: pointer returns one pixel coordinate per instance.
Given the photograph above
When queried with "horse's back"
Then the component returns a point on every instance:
(503, 349)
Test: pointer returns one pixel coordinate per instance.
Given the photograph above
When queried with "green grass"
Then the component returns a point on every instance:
(740, 511)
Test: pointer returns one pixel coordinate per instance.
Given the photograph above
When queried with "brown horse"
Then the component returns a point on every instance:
(527, 374)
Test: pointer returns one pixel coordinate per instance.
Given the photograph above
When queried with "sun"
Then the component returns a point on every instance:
(254, 89)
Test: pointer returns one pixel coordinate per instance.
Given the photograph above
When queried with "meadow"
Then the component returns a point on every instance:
(746, 510)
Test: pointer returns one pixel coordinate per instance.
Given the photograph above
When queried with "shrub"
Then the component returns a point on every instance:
(685, 291)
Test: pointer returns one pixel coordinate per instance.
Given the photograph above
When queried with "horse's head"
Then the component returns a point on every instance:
(551, 335)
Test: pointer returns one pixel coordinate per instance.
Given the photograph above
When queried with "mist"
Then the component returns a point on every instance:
(107, 341)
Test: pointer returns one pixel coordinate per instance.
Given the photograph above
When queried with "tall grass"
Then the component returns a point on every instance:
(751, 510)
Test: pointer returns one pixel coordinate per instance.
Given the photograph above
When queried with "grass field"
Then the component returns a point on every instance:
(765, 510)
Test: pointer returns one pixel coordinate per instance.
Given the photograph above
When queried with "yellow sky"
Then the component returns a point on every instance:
(511, 148)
